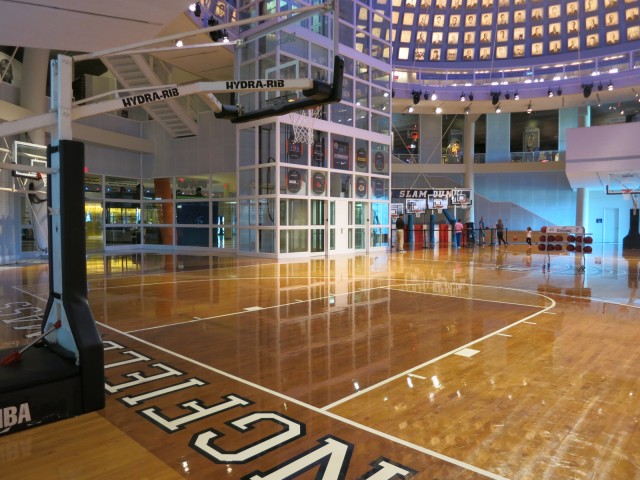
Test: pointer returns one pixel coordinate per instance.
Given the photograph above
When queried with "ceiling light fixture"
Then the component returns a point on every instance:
(179, 43)
(549, 93)
(529, 108)
(467, 110)
(559, 91)
(471, 97)
(610, 86)
(498, 110)
(600, 87)
(507, 95)
(438, 109)
(495, 98)
(416, 96)
(462, 97)
(516, 95)
(434, 96)
(586, 90)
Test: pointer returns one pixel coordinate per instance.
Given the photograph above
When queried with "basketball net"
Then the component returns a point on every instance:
(302, 121)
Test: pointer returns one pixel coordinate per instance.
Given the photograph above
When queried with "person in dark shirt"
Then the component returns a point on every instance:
(400, 232)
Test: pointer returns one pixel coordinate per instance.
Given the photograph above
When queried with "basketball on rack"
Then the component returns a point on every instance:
(570, 247)
(571, 238)
(541, 247)
(588, 240)
(515, 239)
(587, 249)
(544, 229)
(543, 238)
(551, 238)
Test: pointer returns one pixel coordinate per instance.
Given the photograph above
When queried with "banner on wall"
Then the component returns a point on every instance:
(10, 70)
(361, 158)
(341, 159)
(436, 199)
(379, 161)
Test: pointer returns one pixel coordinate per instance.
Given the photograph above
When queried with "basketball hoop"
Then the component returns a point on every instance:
(463, 204)
(627, 195)
(302, 121)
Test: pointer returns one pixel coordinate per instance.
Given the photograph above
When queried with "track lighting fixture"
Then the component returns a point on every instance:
(507, 96)
(598, 97)
(416, 96)
(467, 110)
(410, 109)
(438, 109)
(610, 86)
(462, 97)
(179, 43)
(215, 35)
(559, 91)
(393, 94)
(197, 11)
(516, 95)
(529, 108)
(498, 109)
(549, 93)
(495, 98)
(471, 97)
(434, 96)
(586, 90)
(600, 87)
(426, 95)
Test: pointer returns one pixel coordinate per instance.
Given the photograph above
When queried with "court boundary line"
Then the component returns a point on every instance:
(315, 409)
(385, 287)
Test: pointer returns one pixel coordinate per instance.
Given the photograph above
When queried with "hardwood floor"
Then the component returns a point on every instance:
(435, 364)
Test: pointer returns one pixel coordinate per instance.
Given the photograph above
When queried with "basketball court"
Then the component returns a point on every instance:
(433, 364)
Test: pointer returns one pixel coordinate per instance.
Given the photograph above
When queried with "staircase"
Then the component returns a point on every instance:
(136, 71)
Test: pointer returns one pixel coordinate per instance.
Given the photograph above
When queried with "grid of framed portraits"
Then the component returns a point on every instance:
(471, 30)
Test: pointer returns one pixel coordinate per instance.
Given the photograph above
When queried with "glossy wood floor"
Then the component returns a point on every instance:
(435, 364)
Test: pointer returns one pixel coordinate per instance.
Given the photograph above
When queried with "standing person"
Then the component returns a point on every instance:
(500, 232)
(457, 228)
(481, 232)
(529, 236)
(400, 232)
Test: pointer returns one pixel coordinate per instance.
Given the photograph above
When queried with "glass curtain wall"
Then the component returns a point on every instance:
(286, 189)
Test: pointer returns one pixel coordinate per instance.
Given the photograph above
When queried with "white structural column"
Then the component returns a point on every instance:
(582, 208)
(468, 155)
(34, 86)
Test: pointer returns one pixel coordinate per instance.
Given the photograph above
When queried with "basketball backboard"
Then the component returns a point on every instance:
(31, 155)
(623, 183)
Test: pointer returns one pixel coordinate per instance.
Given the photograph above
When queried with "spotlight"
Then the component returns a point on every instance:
(426, 95)
(529, 108)
(467, 110)
(586, 90)
(498, 110)
(434, 96)
(471, 97)
(416, 97)
(393, 94)
(610, 86)
(600, 87)
(559, 91)
(179, 43)
(516, 96)
(462, 97)
(225, 36)
(495, 98)
(507, 96)
(549, 93)
(197, 11)
(438, 109)
(410, 109)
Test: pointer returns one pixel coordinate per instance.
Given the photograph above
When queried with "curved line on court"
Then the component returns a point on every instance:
(440, 357)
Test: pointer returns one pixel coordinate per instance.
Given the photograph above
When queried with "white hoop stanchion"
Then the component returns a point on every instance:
(302, 121)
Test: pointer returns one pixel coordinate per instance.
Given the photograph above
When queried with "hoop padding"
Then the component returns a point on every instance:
(302, 121)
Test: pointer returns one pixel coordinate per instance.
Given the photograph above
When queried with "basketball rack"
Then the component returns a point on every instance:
(571, 239)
